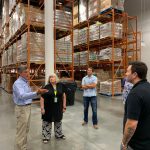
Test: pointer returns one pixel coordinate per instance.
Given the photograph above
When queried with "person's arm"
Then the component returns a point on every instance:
(129, 131)
(42, 105)
(83, 86)
(64, 102)
(18, 89)
(92, 85)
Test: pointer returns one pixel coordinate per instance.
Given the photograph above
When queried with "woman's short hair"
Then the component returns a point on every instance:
(51, 75)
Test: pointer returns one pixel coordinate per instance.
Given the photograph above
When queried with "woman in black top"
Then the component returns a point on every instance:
(53, 104)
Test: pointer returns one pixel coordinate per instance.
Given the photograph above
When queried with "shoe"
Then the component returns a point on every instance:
(95, 126)
(63, 137)
(45, 141)
(84, 123)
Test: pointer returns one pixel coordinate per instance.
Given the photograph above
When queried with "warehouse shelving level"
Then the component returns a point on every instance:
(113, 16)
(36, 68)
(62, 31)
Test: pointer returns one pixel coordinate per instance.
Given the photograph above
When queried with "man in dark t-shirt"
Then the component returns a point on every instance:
(137, 110)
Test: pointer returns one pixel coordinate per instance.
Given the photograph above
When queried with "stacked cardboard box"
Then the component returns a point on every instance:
(106, 30)
(14, 53)
(37, 47)
(63, 19)
(93, 56)
(64, 50)
(106, 54)
(5, 58)
(83, 36)
(20, 17)
(10, 55)
(93, 8)
(117, 4)
(10, 79)
(11, 5)
(75, 13)
(5, 12)
(83, 5)
(76, 37)
(76, 59)
(106, 87)
(94, 32)
(83, 58)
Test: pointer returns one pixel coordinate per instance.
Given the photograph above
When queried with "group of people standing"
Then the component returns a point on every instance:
(136, 135)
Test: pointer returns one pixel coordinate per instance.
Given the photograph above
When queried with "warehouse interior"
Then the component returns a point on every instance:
(67, 37)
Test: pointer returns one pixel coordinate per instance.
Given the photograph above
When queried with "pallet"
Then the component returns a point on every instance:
(109, 9)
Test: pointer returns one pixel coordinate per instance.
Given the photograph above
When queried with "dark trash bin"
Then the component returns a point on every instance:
(70, 88)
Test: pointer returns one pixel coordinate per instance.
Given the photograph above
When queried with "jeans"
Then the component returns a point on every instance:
(93, 101)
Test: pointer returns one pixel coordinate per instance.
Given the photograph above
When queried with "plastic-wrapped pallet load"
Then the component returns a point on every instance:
(64, 50)
(5, 58)
(106, 54)
(83, 58)
(106, 30)
(63, 19)
(11, 5)
(10, 55)
(3, 80)
(76, 59)
(106, 87)
(83, 5)
(37, 48)
(6, 35)
(75, 13)
(76, 37)
(92, 56)
(117, 4)
(20, 17)
(93, 8)
(94, 33)
(83, 36)
(14, 53)
(5, 12)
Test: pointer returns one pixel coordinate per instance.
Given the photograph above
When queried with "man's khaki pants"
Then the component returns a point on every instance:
(22, 127)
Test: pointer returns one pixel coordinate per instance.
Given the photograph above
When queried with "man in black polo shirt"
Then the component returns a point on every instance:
(137, 110)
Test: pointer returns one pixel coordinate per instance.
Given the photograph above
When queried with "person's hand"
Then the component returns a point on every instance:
(64, 109)
(41, 91)
(42, 111)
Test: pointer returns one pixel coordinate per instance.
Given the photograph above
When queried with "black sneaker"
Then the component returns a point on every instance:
(61, 137)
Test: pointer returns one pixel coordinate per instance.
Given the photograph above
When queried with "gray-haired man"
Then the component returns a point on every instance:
(22, 96)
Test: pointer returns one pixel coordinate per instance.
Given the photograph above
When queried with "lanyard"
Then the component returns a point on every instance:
(55, 92)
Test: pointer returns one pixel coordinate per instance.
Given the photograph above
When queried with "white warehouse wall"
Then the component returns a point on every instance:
(141, 9)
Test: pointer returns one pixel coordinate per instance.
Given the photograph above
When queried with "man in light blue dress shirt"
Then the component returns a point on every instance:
(22, 96)
(89, 83)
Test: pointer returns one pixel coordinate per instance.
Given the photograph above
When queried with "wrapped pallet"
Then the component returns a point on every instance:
(5, 58)
(94, 32)
(92, 56)
(5, 12)
(14, 53)
(63, 19)
(106, 54)
(76, 59)
(83, 36)
(117, 4)
(10, 79)
(76, 37)
(83, 58)
(3, 80)
(64, 50)
(11, 5)
(20, 17)
(106, 87)
(83, 5)
(106, 30)
(93, 8)
(36, 45)
(75, 13)
(10, 55)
